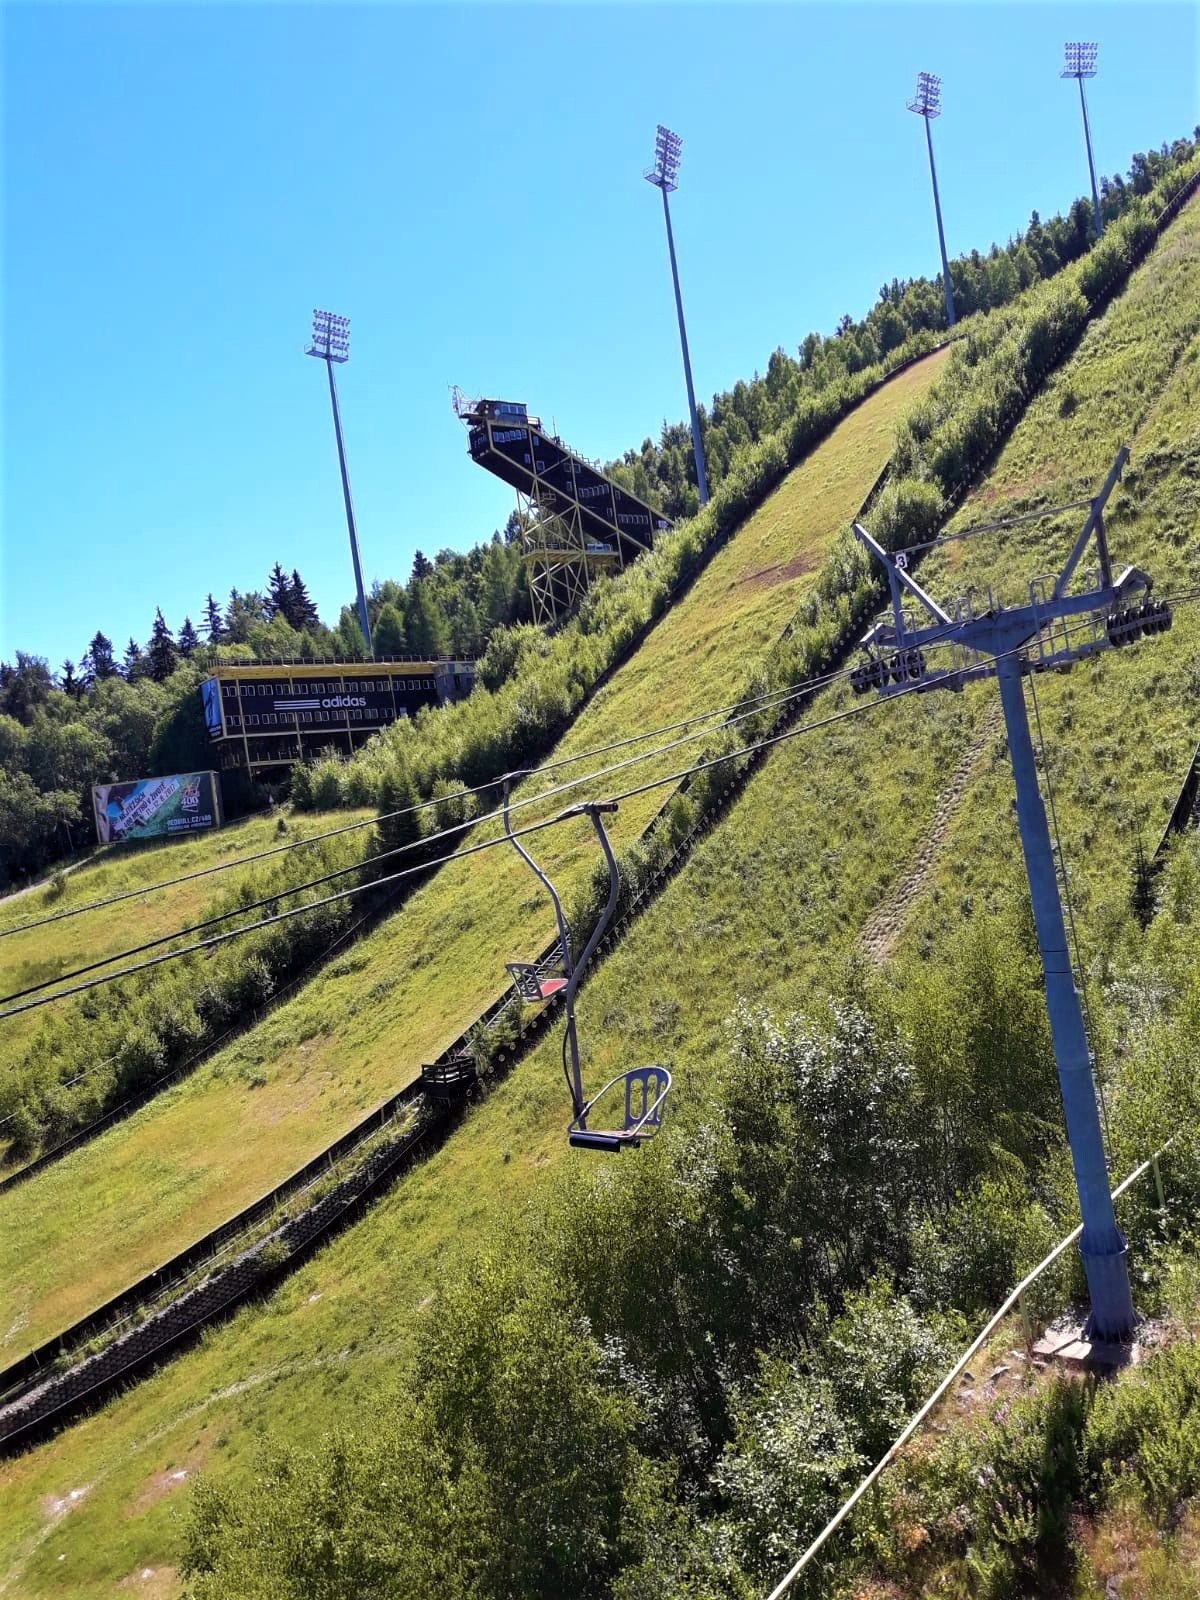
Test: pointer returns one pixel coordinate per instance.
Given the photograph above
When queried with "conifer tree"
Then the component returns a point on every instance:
(189, 639)
(134, 663)
(496, 587)
(303, 612)
(388, 633)
(279, 594)
(424, 623)
(98, 662)
(67, 681)
(421, 567)
(397, 794)
(213, 624)
(162, 656)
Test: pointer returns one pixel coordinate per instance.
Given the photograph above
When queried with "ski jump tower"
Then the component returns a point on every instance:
(576, 524)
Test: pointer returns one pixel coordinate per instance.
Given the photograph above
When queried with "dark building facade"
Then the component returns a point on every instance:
(263, 717)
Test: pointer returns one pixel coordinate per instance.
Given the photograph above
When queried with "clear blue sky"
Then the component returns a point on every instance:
(184, 183)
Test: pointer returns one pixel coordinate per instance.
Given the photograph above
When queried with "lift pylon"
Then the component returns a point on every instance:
(1007, 643)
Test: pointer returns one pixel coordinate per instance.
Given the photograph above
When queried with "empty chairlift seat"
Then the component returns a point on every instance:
(629, 1109)
(537, 982)
(645, 1091)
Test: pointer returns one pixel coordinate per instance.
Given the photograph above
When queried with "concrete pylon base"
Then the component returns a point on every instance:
(1072, 1346)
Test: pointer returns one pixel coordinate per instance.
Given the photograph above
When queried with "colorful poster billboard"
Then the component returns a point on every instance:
(157, 808)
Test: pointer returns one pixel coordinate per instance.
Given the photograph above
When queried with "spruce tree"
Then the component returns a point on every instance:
(423, 622)
(213, 625)
(279, 594)
(162, 656)
(303, 612)
(421, 567)
(497, 585)
(348, 637)
(397, 793)
(134, 664)
(388, 634)
(98, 662)
(67, 681)
(189, 639)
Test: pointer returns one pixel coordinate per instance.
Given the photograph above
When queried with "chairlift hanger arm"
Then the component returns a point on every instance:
(594, 811)
(1094, 523)
(560, 919)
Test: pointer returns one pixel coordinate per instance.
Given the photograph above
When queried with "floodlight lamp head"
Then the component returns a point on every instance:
(330, 336)
(1079, 59)
(927, 102)
(664, 174)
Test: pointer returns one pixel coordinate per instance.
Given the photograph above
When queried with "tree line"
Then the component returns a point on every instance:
(110, 717)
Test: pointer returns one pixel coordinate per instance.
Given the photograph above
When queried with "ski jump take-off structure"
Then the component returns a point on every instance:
(576, 524)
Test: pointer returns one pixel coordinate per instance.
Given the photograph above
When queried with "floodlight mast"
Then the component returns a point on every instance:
(330, 344)
(1008, 644)
(927, 103)
(1079, 63)
(664, 175)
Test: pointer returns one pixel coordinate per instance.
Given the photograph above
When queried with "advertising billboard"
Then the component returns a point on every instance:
(157, 808)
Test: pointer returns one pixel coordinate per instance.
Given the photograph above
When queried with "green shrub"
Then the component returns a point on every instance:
(1147, 1427)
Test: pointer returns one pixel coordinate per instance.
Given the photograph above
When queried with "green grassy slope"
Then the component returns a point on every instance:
(72, 1237)
(42, 953)
(769, 905)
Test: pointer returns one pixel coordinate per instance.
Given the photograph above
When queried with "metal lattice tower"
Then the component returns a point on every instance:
(1060, 624)
(577, 524)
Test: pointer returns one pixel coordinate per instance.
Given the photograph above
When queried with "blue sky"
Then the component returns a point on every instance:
(184, 183)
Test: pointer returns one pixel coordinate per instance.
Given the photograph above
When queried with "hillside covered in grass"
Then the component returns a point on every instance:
(67, 1063)
(73, 1235)
(613, 1372)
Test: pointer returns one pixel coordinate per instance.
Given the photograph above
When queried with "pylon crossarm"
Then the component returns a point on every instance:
(899, 576)
(1094, 524)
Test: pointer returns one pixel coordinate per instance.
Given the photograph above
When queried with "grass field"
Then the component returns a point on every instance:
(44, 953)
(101, 1217)
(770, 906)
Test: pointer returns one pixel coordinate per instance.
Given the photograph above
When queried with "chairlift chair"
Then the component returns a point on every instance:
(533, 982)
(638, 1096)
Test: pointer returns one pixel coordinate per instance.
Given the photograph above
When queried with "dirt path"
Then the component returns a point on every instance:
(882, 931)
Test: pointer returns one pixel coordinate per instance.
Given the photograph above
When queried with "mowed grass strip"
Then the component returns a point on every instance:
(768, 908)
(44, 953)
(75, 1235)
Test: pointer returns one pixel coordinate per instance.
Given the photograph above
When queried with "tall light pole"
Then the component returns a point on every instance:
(1080, 63)
(928, 104)
(330, 343)
(663, 175)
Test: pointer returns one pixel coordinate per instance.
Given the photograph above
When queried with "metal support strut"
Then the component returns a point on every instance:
(1102, 1245)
